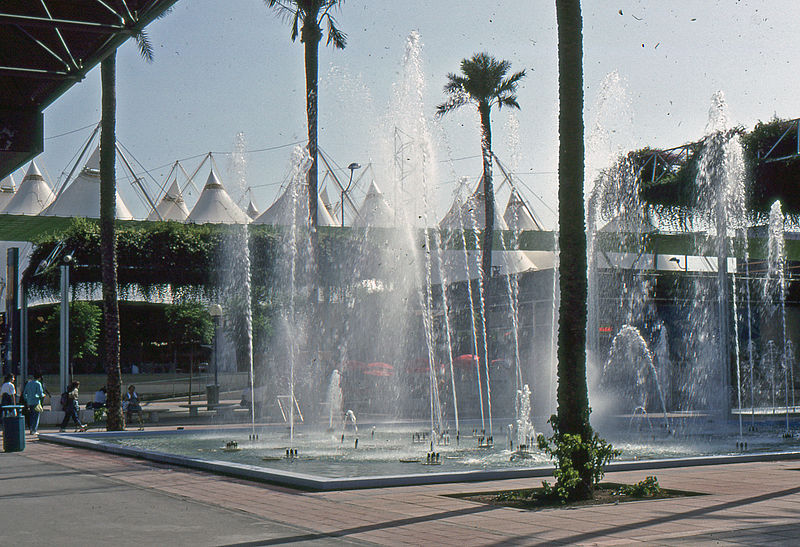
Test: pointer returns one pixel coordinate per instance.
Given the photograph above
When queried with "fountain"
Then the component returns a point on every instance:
(383, 320)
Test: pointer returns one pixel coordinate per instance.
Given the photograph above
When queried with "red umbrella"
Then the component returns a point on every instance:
(466, 360)
(379, 369)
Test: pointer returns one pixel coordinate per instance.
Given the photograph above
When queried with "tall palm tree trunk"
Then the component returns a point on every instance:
(573, 396)
(311, 37)
(487, 243)
(108, 245)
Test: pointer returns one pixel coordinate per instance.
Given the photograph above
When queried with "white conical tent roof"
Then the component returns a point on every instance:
(215, 206)
(171, 206)
(467, 215)
(327, 215)
(82, 197)
(375, 211)
(470, 213)
(252, 210)
(280, 212)
(7, 189)
(33, 196)
(518, 216)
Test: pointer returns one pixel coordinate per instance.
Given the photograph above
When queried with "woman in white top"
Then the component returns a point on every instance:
(8, 393)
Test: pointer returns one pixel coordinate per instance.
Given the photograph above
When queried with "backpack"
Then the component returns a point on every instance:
(64, 400)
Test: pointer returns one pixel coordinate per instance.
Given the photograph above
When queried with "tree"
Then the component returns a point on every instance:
(108, 242)
(108, 239)
(308, 18)
(573, 394)
(190, 323)
(483, 82)
(84, 331)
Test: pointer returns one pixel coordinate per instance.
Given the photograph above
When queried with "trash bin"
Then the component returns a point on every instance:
(212, 394)
(13, 429)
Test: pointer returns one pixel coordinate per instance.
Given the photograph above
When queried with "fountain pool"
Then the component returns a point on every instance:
(400, 454)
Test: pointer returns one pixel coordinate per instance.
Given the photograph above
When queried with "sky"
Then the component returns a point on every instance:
(222, 68)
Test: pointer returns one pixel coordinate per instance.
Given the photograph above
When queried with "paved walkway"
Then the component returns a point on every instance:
(57, 495)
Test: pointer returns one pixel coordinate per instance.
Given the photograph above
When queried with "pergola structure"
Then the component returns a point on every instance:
(46, 46)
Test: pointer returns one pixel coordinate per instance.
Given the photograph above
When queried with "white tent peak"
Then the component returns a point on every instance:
(280, 212)
(375, 211)
(7, 184)
(33, 195)
(33, 173)
(92, 166)
(213, 182)
(517, 215)
(171, 206)
(471, 212)
(252, 210)
(7, 189)
(82, 197)
(323, 196)
(215, 206)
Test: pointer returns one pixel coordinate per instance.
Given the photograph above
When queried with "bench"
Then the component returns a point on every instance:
(153, 414)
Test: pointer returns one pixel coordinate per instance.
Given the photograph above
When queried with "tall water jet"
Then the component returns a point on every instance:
(237, 291)
(334, 400)
(721, 210)
(775, 291)
(524, 428)
(413, 181)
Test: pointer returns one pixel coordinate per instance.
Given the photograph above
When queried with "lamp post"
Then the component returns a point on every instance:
(64, 323)
(353, 166)
(212, 394)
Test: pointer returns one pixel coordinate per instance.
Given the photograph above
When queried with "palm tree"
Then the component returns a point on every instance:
(308, 17)
(108, 238)
(483, 82)
(573, 395)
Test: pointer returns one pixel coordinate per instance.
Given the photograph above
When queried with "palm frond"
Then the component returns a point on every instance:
(454, 101)
(510, 83)
(144, 45)
(508, 100)
(455, 83)
(295, 25)
(335, 36)
(285, 9)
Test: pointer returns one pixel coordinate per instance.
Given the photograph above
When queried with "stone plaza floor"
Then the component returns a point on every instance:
(57, 495)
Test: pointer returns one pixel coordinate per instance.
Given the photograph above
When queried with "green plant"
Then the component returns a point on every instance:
(646, 488)
(567, 451)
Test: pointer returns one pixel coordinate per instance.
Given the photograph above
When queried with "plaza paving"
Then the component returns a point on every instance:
(52, 494)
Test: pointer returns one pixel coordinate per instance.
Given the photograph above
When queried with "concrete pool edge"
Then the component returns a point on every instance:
(314, 482)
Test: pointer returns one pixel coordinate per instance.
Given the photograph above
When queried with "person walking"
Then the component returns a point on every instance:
(71, 407)
(32, 397)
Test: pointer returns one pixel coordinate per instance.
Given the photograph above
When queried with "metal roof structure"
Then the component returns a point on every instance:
(46, 46)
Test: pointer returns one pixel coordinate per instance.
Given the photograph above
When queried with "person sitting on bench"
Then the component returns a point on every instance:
(131, 406)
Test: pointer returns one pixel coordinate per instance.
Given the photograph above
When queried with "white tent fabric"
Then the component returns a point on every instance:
(469, 214)
(280, 212)
(7, 190)
(519, 218)
(518, 215)
(252, 210)
(375, 211)
(82, 197)
(215, 206)
(171, 206)
(33, 195)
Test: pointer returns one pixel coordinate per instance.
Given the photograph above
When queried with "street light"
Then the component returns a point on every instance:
(64, 372)
(353, 166)
(212, 395)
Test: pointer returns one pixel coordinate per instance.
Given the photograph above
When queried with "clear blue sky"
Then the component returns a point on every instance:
(225, 67)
